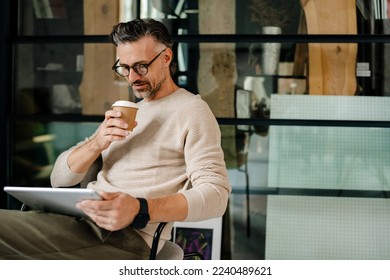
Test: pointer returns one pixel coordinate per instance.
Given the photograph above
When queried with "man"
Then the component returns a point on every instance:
(171, 165)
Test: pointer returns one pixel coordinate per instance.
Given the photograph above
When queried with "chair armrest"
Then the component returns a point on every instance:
(156, 240)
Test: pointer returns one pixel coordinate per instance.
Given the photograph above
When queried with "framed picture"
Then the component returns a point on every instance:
(202, 237)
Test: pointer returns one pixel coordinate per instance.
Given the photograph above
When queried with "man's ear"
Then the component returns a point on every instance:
(168, 55)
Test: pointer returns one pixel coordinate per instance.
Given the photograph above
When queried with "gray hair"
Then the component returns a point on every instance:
(136, 29)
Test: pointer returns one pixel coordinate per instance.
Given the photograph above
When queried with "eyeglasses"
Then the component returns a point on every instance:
(139, 68)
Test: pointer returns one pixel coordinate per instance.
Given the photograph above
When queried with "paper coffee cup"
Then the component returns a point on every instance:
(129, 111)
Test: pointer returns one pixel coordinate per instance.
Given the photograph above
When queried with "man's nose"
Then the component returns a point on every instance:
(133, 76)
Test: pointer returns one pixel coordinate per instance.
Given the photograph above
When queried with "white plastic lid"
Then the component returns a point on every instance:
(124, 103)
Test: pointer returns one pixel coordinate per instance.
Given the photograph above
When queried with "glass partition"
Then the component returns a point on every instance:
(77, 78)
(303, 113)
(74, 17)
(37, 145)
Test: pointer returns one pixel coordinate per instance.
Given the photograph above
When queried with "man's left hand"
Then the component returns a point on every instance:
(116, 211)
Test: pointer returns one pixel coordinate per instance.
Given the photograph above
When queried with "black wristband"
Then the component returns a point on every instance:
(142, 218)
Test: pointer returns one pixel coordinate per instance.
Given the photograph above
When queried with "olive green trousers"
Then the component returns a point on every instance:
(44, 236)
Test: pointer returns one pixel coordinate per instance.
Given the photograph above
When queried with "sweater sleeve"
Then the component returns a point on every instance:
(206, 169)
(62, 175)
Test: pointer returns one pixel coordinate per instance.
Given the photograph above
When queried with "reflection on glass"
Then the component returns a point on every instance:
(344, 158)
(77, 78)
(330, 158)
(67, 79)
(75, 17)
(47, 78)
(246, 157)
(37, 145)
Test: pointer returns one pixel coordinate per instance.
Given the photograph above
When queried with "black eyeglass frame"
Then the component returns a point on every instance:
(136, 67)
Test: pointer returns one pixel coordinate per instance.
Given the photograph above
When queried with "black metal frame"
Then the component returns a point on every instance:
(156, 240)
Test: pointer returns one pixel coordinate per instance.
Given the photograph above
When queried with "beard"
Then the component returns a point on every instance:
(149, 92)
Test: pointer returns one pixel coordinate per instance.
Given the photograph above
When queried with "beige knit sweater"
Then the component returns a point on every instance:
(176, 146)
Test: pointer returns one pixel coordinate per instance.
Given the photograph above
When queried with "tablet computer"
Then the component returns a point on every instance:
(56, 200)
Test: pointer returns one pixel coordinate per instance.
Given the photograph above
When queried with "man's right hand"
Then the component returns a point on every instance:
(113, 128)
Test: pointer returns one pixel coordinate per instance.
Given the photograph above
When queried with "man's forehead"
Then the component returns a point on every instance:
(147, 44)
(137, 52)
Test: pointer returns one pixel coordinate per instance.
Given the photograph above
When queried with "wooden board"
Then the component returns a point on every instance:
(100, 86)
(331, 66)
